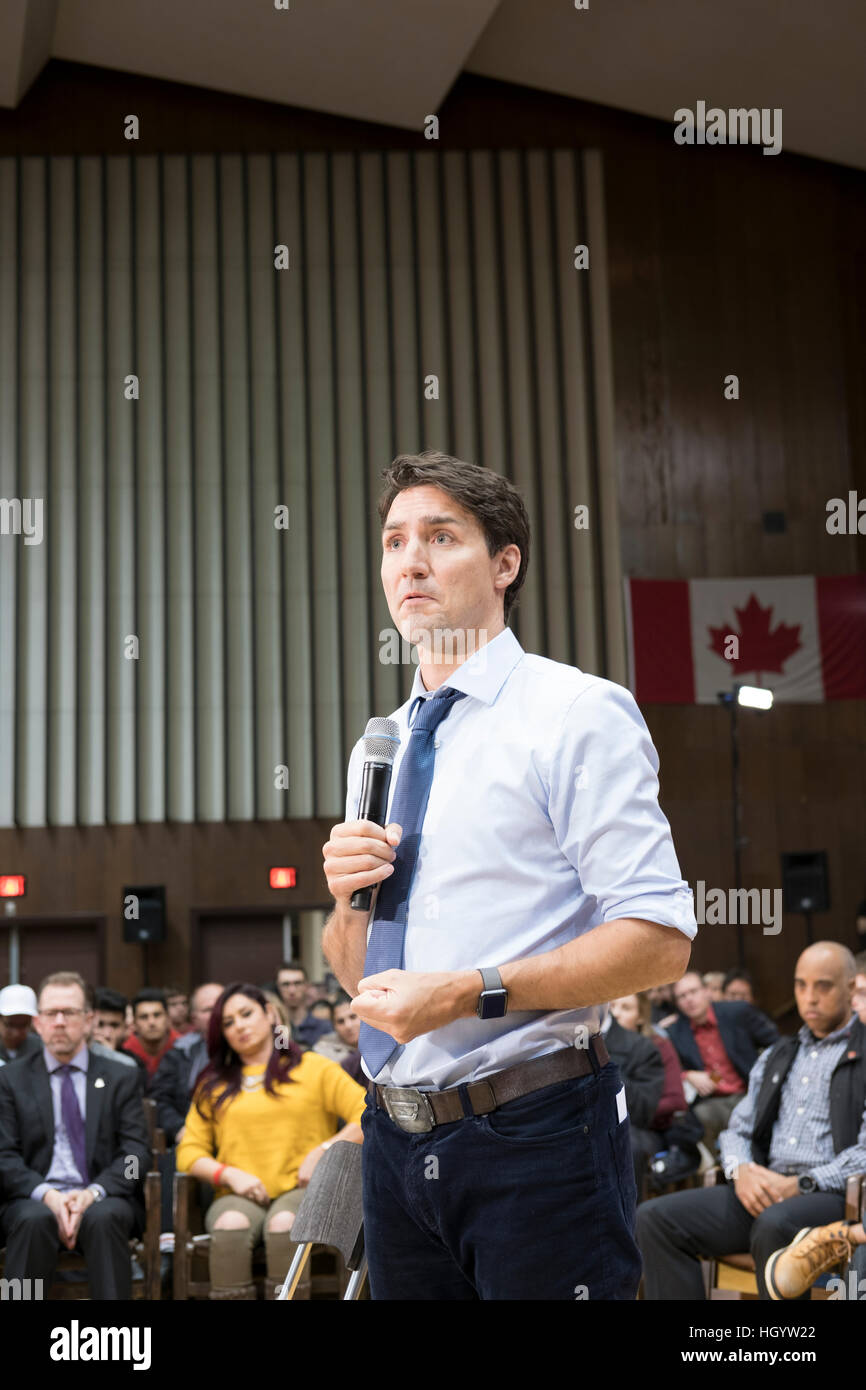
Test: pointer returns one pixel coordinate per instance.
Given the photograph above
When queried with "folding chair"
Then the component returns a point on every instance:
(332, 1214)
(733, 1276)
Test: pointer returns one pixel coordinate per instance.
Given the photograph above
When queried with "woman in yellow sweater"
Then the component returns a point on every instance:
(261, 1117)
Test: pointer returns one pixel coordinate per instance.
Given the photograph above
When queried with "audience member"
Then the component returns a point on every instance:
(177, 1006)
(341, 1045)
(858, 998)
(292, 988)
(181, 1066)
(717, 1044)
(153, 1034)
(106, 1034)
(72, 1131)
(261, 1118)
(673, 1134)
(643, 1076)
(322, 1008)
(17, 1012)
(739, 985)
(790, 1147)
(279, 1012)
(714, 980)
(661, 999)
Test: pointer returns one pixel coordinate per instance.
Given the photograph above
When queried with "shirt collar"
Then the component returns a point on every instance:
(482, 674)
(81, 1059)
(808, 1039)
(710, 1021)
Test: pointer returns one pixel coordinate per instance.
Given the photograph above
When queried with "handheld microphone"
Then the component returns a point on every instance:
(381, 741)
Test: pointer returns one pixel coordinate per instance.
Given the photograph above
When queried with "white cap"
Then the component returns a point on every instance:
(17, 999)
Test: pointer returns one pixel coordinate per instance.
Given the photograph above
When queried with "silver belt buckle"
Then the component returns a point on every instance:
(409, 1108)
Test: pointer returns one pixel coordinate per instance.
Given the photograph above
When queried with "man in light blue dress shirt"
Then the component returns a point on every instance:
(496, 1152)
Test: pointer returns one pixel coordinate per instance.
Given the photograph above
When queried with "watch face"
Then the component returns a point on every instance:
(493, 1003)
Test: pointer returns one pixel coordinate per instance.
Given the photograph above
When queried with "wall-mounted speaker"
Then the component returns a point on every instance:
(806, 882)
(143, 914)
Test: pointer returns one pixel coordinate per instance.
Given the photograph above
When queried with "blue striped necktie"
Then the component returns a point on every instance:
(387, 937)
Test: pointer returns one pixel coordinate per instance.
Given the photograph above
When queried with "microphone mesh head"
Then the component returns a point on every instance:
(381, 740)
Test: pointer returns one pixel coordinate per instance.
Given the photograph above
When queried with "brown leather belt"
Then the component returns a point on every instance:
(418, 1111)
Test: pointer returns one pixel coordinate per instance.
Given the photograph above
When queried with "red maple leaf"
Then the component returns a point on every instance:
(760, 649)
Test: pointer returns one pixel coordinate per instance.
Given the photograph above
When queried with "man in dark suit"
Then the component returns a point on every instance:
(643, 1075)
(718, 1044)
(73, 1150)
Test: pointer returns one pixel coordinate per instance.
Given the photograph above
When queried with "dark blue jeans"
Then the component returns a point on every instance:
(534, 1201)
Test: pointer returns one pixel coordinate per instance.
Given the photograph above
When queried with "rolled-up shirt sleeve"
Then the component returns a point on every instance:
(735, 1142)
(832, 1176)
(603, 805)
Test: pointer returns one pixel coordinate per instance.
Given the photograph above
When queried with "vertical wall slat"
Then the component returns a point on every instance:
(92, 534)
(9, 600)
(297, 617)
(330, 756)
(32, 635)
(269, 748)
(61, 504)
(359, 648)
(152, 549)
(122, 624)
(208, 503)
(180, 528)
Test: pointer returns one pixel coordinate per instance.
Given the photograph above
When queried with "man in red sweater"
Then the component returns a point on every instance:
(153, 1034)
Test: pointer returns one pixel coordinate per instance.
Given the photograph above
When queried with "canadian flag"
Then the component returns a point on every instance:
(803, 637)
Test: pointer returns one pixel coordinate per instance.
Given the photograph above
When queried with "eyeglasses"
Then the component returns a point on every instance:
(65, 1014)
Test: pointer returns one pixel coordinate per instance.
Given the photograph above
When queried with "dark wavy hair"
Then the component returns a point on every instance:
(224, 1070)
(495, 503)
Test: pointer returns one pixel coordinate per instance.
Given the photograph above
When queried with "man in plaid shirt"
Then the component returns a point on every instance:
(792, 1142)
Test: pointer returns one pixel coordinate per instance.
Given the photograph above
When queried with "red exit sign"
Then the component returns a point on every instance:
(281, 878)
(12, 885)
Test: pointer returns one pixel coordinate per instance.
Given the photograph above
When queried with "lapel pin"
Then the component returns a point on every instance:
(98, 1082)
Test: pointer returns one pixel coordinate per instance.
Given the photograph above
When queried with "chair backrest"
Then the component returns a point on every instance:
(331, 1212)
(156, 1136)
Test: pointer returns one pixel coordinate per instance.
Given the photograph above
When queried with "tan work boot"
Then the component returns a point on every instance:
(789, 1272)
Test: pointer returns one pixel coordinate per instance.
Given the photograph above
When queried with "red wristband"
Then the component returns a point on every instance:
(218, 1174)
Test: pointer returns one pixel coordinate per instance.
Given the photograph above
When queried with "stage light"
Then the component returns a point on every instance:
(12, 885)
(281, 878)
(755, 696)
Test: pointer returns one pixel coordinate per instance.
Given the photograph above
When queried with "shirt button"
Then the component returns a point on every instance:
(792, 1141)
(805, 1080)
(801, 1110)
(814, 1054)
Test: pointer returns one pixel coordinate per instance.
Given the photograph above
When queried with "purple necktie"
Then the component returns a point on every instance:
(72, 1121)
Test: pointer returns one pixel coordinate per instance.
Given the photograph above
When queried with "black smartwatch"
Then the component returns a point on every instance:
(493, 999)
(806, 1184)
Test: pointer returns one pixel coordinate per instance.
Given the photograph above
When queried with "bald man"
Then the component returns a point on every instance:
(791, 1144)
